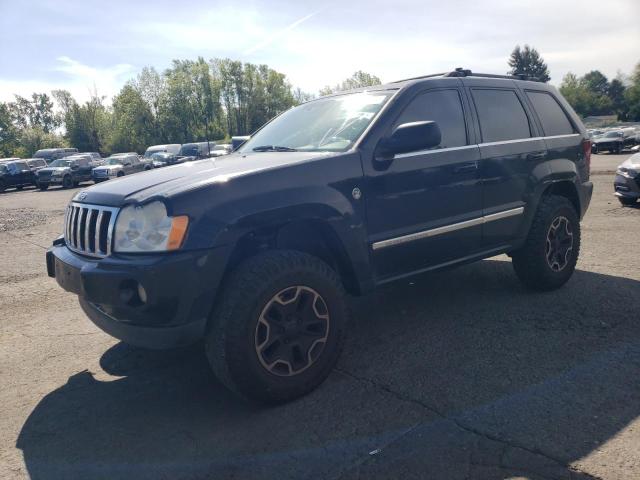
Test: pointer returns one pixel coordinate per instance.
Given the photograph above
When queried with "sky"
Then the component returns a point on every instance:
(85, 45)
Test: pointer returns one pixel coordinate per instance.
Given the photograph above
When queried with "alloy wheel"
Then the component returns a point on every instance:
(559, 244)
(292, 331)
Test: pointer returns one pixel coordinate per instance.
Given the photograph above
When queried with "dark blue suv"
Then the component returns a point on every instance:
(254, 252)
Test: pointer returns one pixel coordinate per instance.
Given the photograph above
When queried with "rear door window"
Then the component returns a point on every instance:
(443, 107)
(501, 114)
(553, 118)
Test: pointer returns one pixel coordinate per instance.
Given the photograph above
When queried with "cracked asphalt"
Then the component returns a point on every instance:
(460, 374)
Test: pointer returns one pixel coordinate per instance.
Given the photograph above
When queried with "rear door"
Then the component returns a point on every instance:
(84, 169)
(510, 150)
(423, 209)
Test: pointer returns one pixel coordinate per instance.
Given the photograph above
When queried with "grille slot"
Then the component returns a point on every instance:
(88, 229)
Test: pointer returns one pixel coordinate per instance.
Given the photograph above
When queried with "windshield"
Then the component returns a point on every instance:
(114, 161)
(330, 124)
(614, 134)
(60, 163)
(150, 151)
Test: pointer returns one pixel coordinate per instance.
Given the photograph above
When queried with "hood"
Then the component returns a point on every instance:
(632, 162)
(176, 179)
(108, 167)
(607, 139)
(53, 169)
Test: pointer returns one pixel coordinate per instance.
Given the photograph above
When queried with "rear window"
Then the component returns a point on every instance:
(553, 118)
(502, 116)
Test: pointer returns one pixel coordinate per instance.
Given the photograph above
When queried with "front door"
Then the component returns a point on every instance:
(424, 208)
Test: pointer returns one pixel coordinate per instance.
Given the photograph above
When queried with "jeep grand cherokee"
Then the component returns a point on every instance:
(253, 252)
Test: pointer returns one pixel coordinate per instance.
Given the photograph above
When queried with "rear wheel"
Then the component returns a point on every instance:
(19, 187)
(120, 174)
(627, 202)
(278, 328)
(548, 258)
(67, 182)
(43, 186)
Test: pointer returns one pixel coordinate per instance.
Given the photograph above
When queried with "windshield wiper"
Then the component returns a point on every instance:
(273, 148)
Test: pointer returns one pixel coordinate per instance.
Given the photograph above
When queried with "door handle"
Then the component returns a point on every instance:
(537, 156)
(466, 167)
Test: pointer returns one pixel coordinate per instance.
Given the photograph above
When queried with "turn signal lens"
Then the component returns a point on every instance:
(178, 232)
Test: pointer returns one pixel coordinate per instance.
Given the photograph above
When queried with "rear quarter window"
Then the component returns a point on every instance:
(553, 118)
(501, 114)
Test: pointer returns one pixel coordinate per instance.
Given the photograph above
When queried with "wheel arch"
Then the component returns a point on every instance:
(314, 236)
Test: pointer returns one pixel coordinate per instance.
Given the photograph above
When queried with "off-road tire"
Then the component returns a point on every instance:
(627, 202)
(231, 337)
(530, 261)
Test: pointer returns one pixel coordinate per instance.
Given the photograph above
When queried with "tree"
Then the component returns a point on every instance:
(358, 80)
(632, 95)
(615, 93)
(87, 125)
(34, 113)
(131, 122)
(32, 139)
(8, 132)
(527, 61)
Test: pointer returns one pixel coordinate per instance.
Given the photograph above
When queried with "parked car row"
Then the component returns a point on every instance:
(614, 140)
(68, 168)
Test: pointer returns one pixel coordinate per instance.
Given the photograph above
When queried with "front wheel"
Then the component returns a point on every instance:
(3, 186)
(120, 174)
(548, 258)
(279, 326)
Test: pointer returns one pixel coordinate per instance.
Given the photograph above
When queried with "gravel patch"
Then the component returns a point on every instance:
(22, 218)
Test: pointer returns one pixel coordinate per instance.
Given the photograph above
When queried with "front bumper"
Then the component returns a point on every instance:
(180, 289)
(626, 186)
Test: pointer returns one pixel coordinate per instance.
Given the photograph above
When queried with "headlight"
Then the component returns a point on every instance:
(627, 172)
(148, 228)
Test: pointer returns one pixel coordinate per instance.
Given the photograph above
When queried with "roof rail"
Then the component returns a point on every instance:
(462, 72)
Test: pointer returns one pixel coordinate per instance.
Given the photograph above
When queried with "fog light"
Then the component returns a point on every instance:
(142, 293)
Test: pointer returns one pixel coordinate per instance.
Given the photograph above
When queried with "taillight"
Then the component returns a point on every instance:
(586, 149)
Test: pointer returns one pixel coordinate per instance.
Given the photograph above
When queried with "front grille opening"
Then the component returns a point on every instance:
(87, 228)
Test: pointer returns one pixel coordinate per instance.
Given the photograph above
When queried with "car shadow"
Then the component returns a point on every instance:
(441, 375)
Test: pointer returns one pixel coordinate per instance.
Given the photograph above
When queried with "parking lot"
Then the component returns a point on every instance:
(457, 374)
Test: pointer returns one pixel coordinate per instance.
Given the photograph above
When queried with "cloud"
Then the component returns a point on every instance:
(271, 38)
(80, 79)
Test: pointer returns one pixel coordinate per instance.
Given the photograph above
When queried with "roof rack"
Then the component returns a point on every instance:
(462, 72)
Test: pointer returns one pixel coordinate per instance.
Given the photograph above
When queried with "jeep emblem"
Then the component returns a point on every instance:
(356, 193)
(82, 195)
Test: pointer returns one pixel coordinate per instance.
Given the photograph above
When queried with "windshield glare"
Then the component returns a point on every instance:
(614, 134)
(114, 161)
(330, 124)
(60, 163)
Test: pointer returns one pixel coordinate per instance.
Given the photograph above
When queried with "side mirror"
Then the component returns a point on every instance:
(75, 166)
(411, 137)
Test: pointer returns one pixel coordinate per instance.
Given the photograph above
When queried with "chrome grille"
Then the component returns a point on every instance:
(88, 229)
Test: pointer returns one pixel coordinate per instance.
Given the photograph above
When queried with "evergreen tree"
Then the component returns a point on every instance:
(527, 61)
